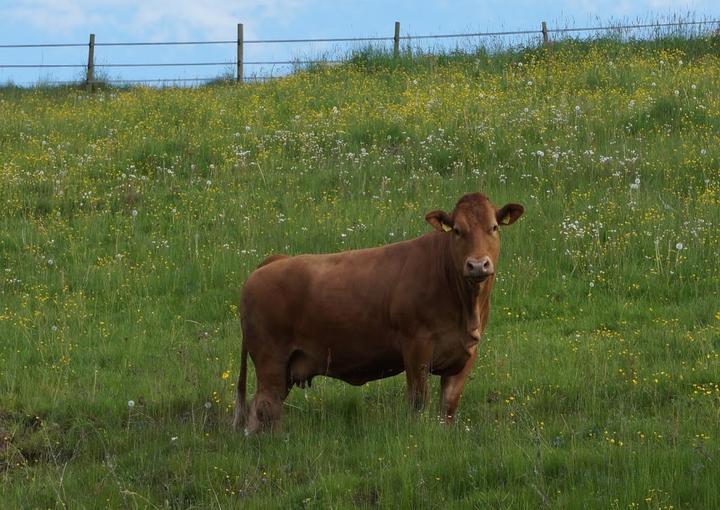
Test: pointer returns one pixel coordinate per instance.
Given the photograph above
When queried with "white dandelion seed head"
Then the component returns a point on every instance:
(131, 403)
(679, 246)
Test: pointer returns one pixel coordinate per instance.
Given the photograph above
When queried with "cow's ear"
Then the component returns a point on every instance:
(440, 220)
(509, 213)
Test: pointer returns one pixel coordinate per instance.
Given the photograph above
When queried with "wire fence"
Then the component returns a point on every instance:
(235, 66)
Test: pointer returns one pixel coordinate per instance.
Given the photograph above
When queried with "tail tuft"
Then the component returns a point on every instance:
(240, 399)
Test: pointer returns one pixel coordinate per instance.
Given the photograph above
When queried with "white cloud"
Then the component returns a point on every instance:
(151, 19)
(679, 5)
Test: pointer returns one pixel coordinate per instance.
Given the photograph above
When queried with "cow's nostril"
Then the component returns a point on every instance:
(479, 267)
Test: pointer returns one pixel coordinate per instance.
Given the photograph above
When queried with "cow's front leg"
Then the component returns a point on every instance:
(451, 387)
(417, 358)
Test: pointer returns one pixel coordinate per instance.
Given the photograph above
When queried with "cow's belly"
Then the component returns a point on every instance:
(358, 377)
(360, 359)
(353, 359)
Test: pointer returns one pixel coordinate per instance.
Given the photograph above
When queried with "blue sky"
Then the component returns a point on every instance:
(67, 21)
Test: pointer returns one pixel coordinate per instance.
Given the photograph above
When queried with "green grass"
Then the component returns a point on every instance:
(132, 217)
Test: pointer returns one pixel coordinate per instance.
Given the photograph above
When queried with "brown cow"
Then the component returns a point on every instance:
(418, 306)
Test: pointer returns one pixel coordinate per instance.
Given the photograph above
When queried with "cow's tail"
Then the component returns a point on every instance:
(240, 405)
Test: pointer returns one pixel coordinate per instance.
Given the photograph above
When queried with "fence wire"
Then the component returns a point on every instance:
(367, 39)
(248, 79)
(291, 41)
(627, 27)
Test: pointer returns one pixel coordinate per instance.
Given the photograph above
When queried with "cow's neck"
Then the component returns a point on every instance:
(471, 300)
(474, 300)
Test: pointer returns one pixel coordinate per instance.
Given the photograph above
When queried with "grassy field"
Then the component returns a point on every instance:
(130, 219)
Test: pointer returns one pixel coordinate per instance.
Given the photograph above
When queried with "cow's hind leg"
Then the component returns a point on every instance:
(272, 388)
(270, 358)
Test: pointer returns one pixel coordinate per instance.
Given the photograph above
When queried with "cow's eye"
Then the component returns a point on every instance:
(456, 231)
(494, 228)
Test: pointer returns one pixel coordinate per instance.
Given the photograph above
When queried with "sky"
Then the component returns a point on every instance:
(113, 21)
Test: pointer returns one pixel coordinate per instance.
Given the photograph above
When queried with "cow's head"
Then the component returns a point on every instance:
(474, 227)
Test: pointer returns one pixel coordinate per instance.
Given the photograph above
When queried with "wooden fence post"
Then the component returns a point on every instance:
(396, 40)
(546, 39)
(90, 77)
(240, 38)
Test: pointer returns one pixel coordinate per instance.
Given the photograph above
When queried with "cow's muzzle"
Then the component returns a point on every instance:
(479, 270)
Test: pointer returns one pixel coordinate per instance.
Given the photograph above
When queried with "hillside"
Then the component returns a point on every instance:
(131, 218)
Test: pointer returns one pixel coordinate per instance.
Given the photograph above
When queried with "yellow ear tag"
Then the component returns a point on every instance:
(506, 220)
(446, 227)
